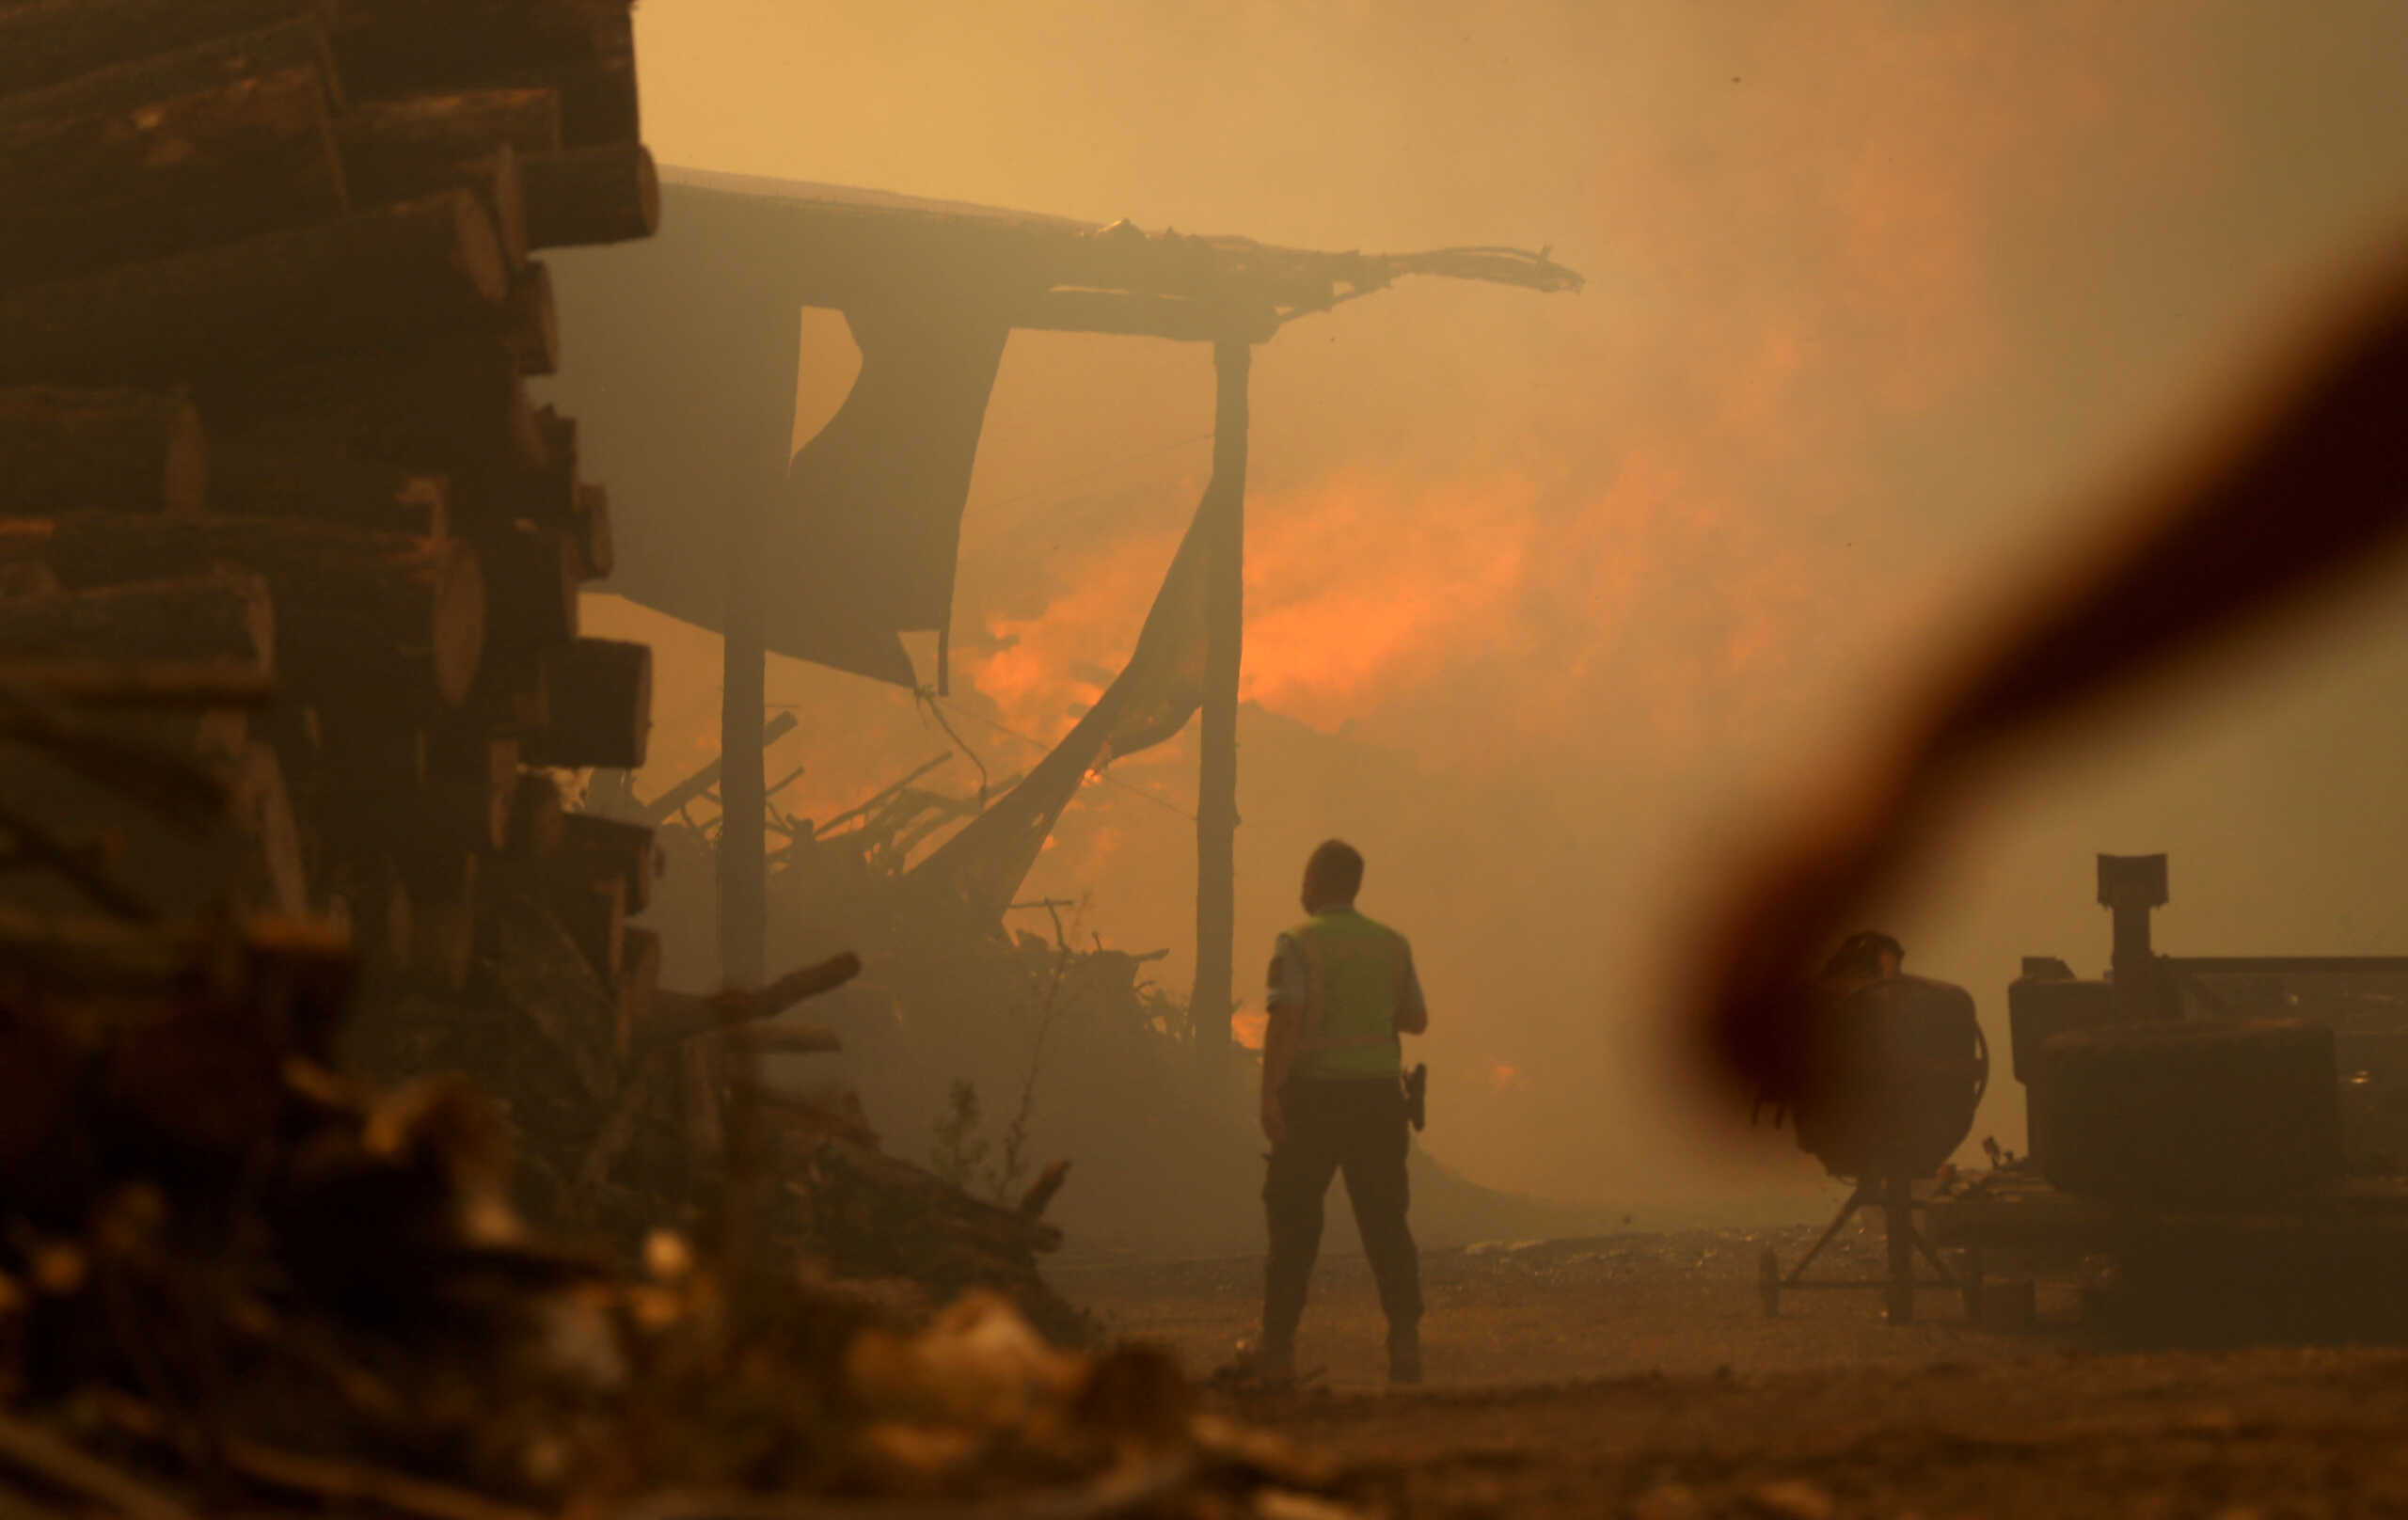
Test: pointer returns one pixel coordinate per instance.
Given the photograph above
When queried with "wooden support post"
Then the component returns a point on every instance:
(743, 787)
(1216, 805)
(744, 818)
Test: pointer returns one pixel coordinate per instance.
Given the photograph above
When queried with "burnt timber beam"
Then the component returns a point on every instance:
(699, 785)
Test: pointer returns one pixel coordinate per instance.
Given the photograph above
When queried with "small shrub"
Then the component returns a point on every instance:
(961, 1150)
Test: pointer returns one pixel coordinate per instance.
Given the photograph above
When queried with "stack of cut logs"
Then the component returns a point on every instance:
(267, 312)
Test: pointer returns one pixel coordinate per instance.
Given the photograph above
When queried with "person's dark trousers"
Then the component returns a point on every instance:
(1356, 1127)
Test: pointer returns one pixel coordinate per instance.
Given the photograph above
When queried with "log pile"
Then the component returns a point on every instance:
(268, 307)
(282, 529)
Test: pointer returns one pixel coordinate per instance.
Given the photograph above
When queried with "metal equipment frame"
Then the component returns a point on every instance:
(1894, 1197)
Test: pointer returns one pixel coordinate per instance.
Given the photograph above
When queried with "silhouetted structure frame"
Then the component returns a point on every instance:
(835, 248)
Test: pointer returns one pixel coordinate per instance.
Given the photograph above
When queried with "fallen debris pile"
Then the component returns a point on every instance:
(868, 1216)
(230, 1277)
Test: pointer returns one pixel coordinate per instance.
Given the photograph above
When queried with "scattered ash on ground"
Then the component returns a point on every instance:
(1518, 1312)
(1638, 1375)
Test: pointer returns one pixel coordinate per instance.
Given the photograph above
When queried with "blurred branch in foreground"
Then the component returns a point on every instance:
(2300, 485)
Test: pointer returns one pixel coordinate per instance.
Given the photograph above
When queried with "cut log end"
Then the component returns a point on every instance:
(478, 251)
(601, 550)
(531, 326)
(647, 190)
(592, 195)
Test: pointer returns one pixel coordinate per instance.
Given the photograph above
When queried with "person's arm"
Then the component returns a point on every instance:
(1412, 1013)
(1284, 1002)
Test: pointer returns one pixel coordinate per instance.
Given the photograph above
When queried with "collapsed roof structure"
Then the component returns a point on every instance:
(688, 358)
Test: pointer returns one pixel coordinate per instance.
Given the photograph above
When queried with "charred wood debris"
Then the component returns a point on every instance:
(289, 660)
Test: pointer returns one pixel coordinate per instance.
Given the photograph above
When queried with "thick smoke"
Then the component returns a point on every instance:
(1544, 593)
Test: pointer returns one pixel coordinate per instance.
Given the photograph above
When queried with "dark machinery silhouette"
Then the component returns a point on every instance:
(1903, 1065)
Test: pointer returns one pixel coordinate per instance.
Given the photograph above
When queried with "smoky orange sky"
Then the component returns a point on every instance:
(1548, 596)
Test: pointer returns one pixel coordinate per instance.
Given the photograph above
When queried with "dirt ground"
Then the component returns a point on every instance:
(1638, 1375)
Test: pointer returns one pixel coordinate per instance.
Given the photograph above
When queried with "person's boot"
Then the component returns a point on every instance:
(1273, 1361)
(1405, 1355)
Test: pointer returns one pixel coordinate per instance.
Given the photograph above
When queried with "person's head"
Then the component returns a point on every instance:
(1333, 876)
(1867, 955)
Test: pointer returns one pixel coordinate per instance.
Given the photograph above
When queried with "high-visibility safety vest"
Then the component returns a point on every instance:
(1355, 973)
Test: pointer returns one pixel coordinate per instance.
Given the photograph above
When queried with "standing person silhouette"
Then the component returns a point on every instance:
(1342, 993)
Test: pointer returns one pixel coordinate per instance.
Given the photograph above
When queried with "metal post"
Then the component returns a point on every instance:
(2129, 888)
(1897, 1204)
(1216, 803)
